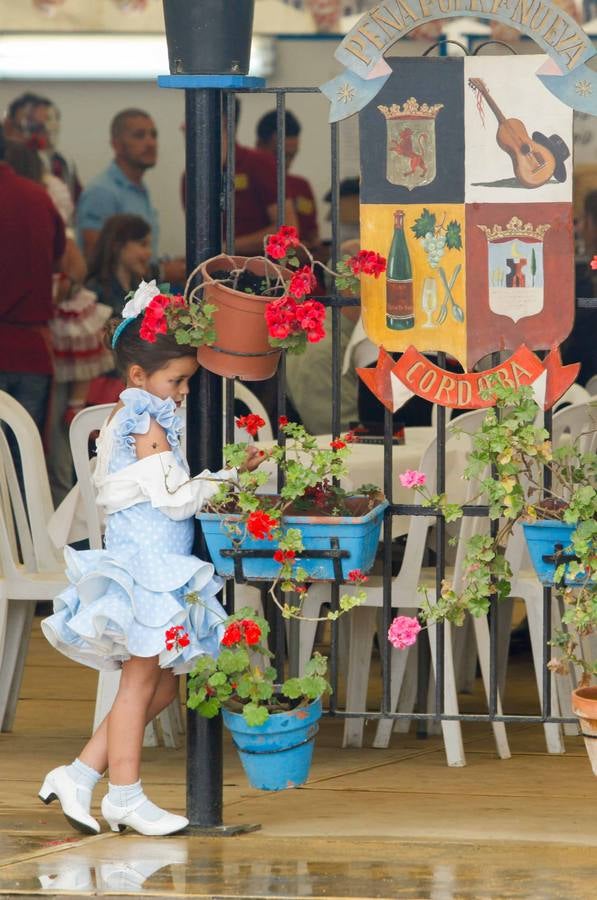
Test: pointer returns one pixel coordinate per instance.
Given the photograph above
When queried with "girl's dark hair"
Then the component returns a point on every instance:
(116, 232)
(132, 350)
(24, 161)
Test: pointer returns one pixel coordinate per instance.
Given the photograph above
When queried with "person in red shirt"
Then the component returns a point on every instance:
(298, 188)
(32, 243)
(255, 194)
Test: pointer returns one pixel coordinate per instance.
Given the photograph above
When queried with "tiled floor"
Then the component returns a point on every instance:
(369, 823)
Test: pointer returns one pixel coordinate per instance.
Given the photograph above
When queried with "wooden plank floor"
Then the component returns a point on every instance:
(369, 823)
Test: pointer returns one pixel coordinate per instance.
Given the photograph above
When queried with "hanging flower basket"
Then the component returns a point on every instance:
(549, 543)
(357, 537)
(277, 754)
(242, 348)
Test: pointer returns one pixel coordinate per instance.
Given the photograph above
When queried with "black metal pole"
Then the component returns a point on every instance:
(204, 415)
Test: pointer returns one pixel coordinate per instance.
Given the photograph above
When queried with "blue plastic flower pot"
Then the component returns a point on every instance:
(276, 755)
(359, 535)
(544, 539)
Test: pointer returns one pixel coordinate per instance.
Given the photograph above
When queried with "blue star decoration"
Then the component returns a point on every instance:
(348, 93)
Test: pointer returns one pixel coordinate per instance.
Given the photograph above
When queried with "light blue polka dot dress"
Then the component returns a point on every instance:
(122, 600)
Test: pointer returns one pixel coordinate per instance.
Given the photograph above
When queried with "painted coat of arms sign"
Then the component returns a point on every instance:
(466, 189)
(410, 142)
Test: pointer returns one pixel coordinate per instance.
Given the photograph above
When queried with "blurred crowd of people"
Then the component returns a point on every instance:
(69, 255)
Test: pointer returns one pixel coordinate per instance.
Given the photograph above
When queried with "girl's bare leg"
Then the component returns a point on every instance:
(126, 720)
(95, 751)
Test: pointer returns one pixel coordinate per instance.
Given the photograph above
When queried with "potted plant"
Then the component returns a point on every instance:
(273, 725)
(262, 304)
(560, 525)
(313, 530)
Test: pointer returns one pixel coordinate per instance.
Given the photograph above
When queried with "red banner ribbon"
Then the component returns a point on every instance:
(418, 375)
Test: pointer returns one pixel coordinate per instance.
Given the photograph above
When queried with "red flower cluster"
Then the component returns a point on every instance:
(302, 283)
(357, 577)
(252, 423)
(594, 262)
(259, 525)
(282, 421)
(176, 638)
(154, 317)
(279, 243)
(284, 316)
(367, 262)
(337, 445)
(282, 556)
(246, 629)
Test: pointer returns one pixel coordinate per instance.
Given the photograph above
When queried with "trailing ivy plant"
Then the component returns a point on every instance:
(509, 455)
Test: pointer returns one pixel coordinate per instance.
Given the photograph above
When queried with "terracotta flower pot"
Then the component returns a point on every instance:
(584, 705)
(242, 348)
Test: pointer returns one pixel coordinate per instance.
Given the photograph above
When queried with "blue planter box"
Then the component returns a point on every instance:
(544, 538)
(357, 535)
(277, 754)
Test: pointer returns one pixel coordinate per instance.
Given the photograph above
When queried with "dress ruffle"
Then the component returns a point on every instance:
(117, 607)
(139, 408)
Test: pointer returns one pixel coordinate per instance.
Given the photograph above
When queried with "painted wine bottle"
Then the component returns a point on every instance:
(399, 280)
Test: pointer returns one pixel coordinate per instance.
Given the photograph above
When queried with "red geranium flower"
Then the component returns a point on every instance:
(232, 635)
(302, 282)
(251, 631)
(276, 247)
(282, 556)
(282, 421)
(357, 577)
(337, 445)
(252, 423)
(289, 234)
(259, 525)
(177, 637)
(594, 262)
(367, 262)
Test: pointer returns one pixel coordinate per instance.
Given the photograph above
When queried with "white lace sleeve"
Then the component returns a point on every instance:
(162, 481)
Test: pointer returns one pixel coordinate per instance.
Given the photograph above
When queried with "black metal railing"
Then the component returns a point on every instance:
(210, 202)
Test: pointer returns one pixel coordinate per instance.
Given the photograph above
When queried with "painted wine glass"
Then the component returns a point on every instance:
(429, 301)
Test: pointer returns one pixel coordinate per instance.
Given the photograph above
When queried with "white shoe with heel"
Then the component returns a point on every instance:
(121, 817)
(75, 800)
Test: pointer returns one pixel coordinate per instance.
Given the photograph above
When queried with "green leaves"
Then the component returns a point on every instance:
(425, 224)
(453, 236)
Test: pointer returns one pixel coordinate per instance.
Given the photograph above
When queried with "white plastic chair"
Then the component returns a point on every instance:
(576, 393)
(591, 386)
(30, 569)
(577, 425)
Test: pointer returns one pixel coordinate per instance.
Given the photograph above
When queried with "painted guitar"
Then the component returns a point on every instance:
(533, 163)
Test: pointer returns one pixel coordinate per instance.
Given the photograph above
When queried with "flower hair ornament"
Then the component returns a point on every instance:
(190, 323)
(137, 303)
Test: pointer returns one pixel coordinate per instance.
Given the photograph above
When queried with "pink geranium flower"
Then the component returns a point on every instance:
(411, 478)
(403, 632)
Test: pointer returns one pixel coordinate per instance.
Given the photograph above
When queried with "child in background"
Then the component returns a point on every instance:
(123, 600)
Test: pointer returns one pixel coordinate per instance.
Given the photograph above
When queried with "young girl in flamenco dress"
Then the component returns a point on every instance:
(123, 600)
